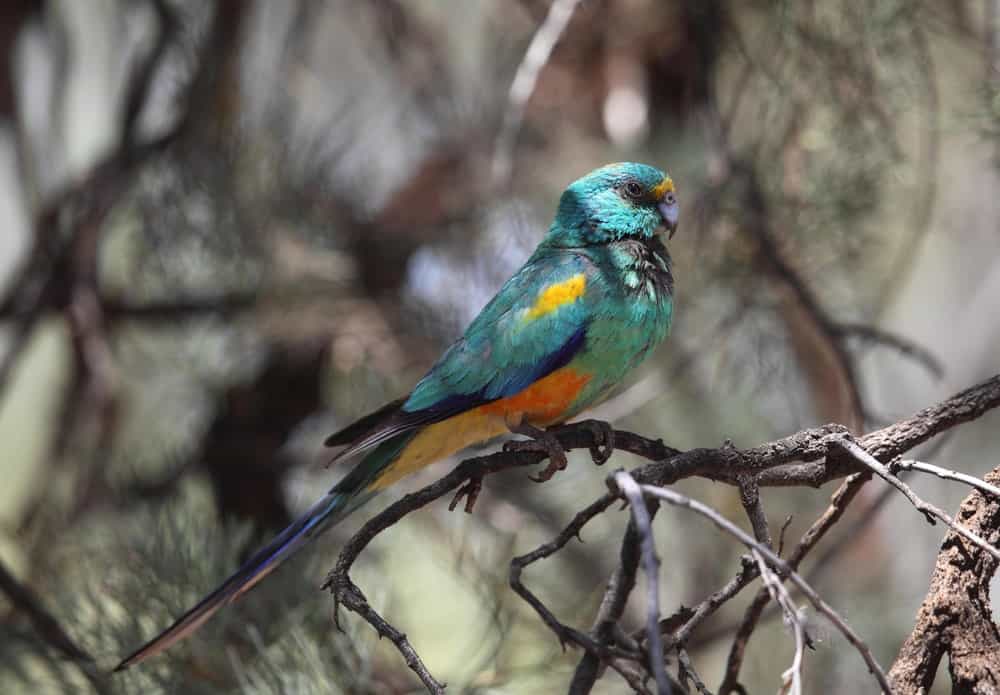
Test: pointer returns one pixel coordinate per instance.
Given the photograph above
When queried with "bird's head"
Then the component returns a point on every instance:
(617, 201)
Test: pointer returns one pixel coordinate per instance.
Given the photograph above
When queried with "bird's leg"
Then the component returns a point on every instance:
(542, 441)
(470, 491)
(604, 440)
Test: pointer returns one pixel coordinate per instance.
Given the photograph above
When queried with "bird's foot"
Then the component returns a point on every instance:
(604, 440)
(541, 441)
(470, 491)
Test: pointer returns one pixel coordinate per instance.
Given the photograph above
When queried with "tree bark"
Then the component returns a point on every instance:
(955, 617)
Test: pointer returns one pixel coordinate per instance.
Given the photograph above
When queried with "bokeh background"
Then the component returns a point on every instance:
(231, 227)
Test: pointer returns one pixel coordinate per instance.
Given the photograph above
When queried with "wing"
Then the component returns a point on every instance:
(535, 324)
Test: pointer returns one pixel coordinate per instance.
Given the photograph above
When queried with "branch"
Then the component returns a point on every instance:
(651, 568)
(47, 627)
(847, 491)
(525, 79)
(775, 463)
(929, 511)
(605, 631)
(945, 474)
(780, 566)
(792, 677)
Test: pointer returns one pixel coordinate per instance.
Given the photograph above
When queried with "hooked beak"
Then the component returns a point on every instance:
(670, 211)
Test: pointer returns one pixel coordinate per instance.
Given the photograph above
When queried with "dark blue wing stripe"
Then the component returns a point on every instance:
(517, 381)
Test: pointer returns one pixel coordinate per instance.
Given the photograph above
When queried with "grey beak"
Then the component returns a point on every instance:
(671, 213)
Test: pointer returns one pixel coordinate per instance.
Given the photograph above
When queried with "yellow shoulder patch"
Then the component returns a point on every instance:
(555, 296)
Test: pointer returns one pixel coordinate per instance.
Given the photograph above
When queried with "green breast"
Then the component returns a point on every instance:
(630, 292)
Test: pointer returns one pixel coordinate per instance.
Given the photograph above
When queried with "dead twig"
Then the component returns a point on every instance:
(945, 474)
(792, 677)
(929, 511)
(782, 568)
(651, 568)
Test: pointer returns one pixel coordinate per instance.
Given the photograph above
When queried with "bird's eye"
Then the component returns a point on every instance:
(633, 190)
(670, 199)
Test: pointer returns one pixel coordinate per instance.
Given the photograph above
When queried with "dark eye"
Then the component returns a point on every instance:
(670, 199)
(633, 190)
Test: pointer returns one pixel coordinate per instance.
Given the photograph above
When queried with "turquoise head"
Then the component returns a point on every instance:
(617, 201)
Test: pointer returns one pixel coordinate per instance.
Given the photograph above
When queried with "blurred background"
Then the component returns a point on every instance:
(229, 228)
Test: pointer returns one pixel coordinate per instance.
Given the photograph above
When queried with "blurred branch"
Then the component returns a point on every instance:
(61, 272)
(955, 617)
(824, 341)
(143, 76)
(525, 79)
(48, 628)
(905, 346)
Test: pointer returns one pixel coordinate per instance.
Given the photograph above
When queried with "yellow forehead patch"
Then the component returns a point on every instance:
(557, 295)
(663, 187)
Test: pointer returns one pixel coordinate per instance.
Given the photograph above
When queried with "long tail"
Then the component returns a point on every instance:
(349, 494)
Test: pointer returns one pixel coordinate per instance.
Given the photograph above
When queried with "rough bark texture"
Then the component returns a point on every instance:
(955, 617)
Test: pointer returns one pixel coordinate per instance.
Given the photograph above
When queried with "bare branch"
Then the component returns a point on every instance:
(651, 568)
(770, 463)
(944, 473)
(750, 497)
(48, 628)
(525, 79)
(929, 511)
(748, 572)
(838, 504)
(791, 678)
(780, 566)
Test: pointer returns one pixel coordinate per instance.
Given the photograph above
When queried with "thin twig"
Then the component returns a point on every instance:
(781, 567)
(606, 631)
(748, 572)
(945, 473)
(525, 79)
(839, 501)
(686, 671)
(792, 677)
(928, 510)
(651, 568)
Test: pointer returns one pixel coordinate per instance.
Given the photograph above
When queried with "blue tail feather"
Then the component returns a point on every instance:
(352, 492)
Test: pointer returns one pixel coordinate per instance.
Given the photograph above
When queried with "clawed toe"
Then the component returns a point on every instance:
(604, 440)
(470, 491)
(543, 442)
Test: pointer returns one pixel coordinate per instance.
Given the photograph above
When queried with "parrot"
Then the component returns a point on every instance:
(589, 305)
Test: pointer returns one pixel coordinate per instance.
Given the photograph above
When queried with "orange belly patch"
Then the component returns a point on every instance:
(543, 403)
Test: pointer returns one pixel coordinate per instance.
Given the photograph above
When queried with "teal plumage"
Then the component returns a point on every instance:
(593, 300)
